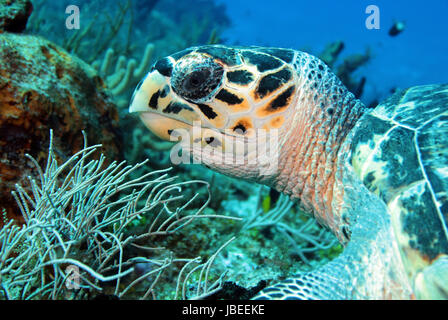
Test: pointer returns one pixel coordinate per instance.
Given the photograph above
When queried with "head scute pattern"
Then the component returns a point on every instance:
(235, 87)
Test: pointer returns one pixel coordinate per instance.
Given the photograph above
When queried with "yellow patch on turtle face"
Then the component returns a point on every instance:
(274, 123)
(244, 106)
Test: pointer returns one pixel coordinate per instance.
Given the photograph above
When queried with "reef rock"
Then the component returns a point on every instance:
(43, 87)
(14, 15)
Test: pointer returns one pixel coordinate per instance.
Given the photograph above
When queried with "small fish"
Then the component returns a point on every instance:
(397, 28)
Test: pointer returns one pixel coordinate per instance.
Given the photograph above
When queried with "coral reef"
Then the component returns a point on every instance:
(79, 238)
(14, 15)
(126, 73)
(42, 87)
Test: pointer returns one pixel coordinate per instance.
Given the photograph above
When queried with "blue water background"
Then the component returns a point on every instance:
(417, 56)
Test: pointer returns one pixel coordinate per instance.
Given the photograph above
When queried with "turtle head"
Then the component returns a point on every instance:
(235, 98)
(274, 116)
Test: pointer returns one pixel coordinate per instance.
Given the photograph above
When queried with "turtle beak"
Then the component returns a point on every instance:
(159, 108)
(145, 91)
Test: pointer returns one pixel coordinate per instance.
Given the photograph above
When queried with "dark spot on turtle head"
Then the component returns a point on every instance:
(287, 55)
(228, 56)
(164, 67)
(176, 107)
(282, 100)
(165, 91)
(154, 99)
(330, 111)
(207, 111)
(321, 67)
(240, 129)
(263, 62)
(272, 82)
(240, 77)
(228, 97)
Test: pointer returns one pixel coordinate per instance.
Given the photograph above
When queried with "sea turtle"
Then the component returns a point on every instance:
(377, 178)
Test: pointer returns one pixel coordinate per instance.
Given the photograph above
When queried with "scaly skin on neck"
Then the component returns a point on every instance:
(314, 168)
(322, 119)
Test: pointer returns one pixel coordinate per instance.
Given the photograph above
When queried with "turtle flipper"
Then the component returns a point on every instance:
(362, 271)
(370, 266)
(316, 285)
(432, 282)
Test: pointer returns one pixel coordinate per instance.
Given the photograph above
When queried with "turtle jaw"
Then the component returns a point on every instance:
(163, 126)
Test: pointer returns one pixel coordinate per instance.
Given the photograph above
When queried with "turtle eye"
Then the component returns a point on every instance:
(194, 80)
(197, 81)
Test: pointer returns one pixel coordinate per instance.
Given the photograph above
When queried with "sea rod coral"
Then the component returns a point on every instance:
(78, 241)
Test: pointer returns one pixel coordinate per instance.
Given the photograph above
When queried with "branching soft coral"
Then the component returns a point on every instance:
(78, 238)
